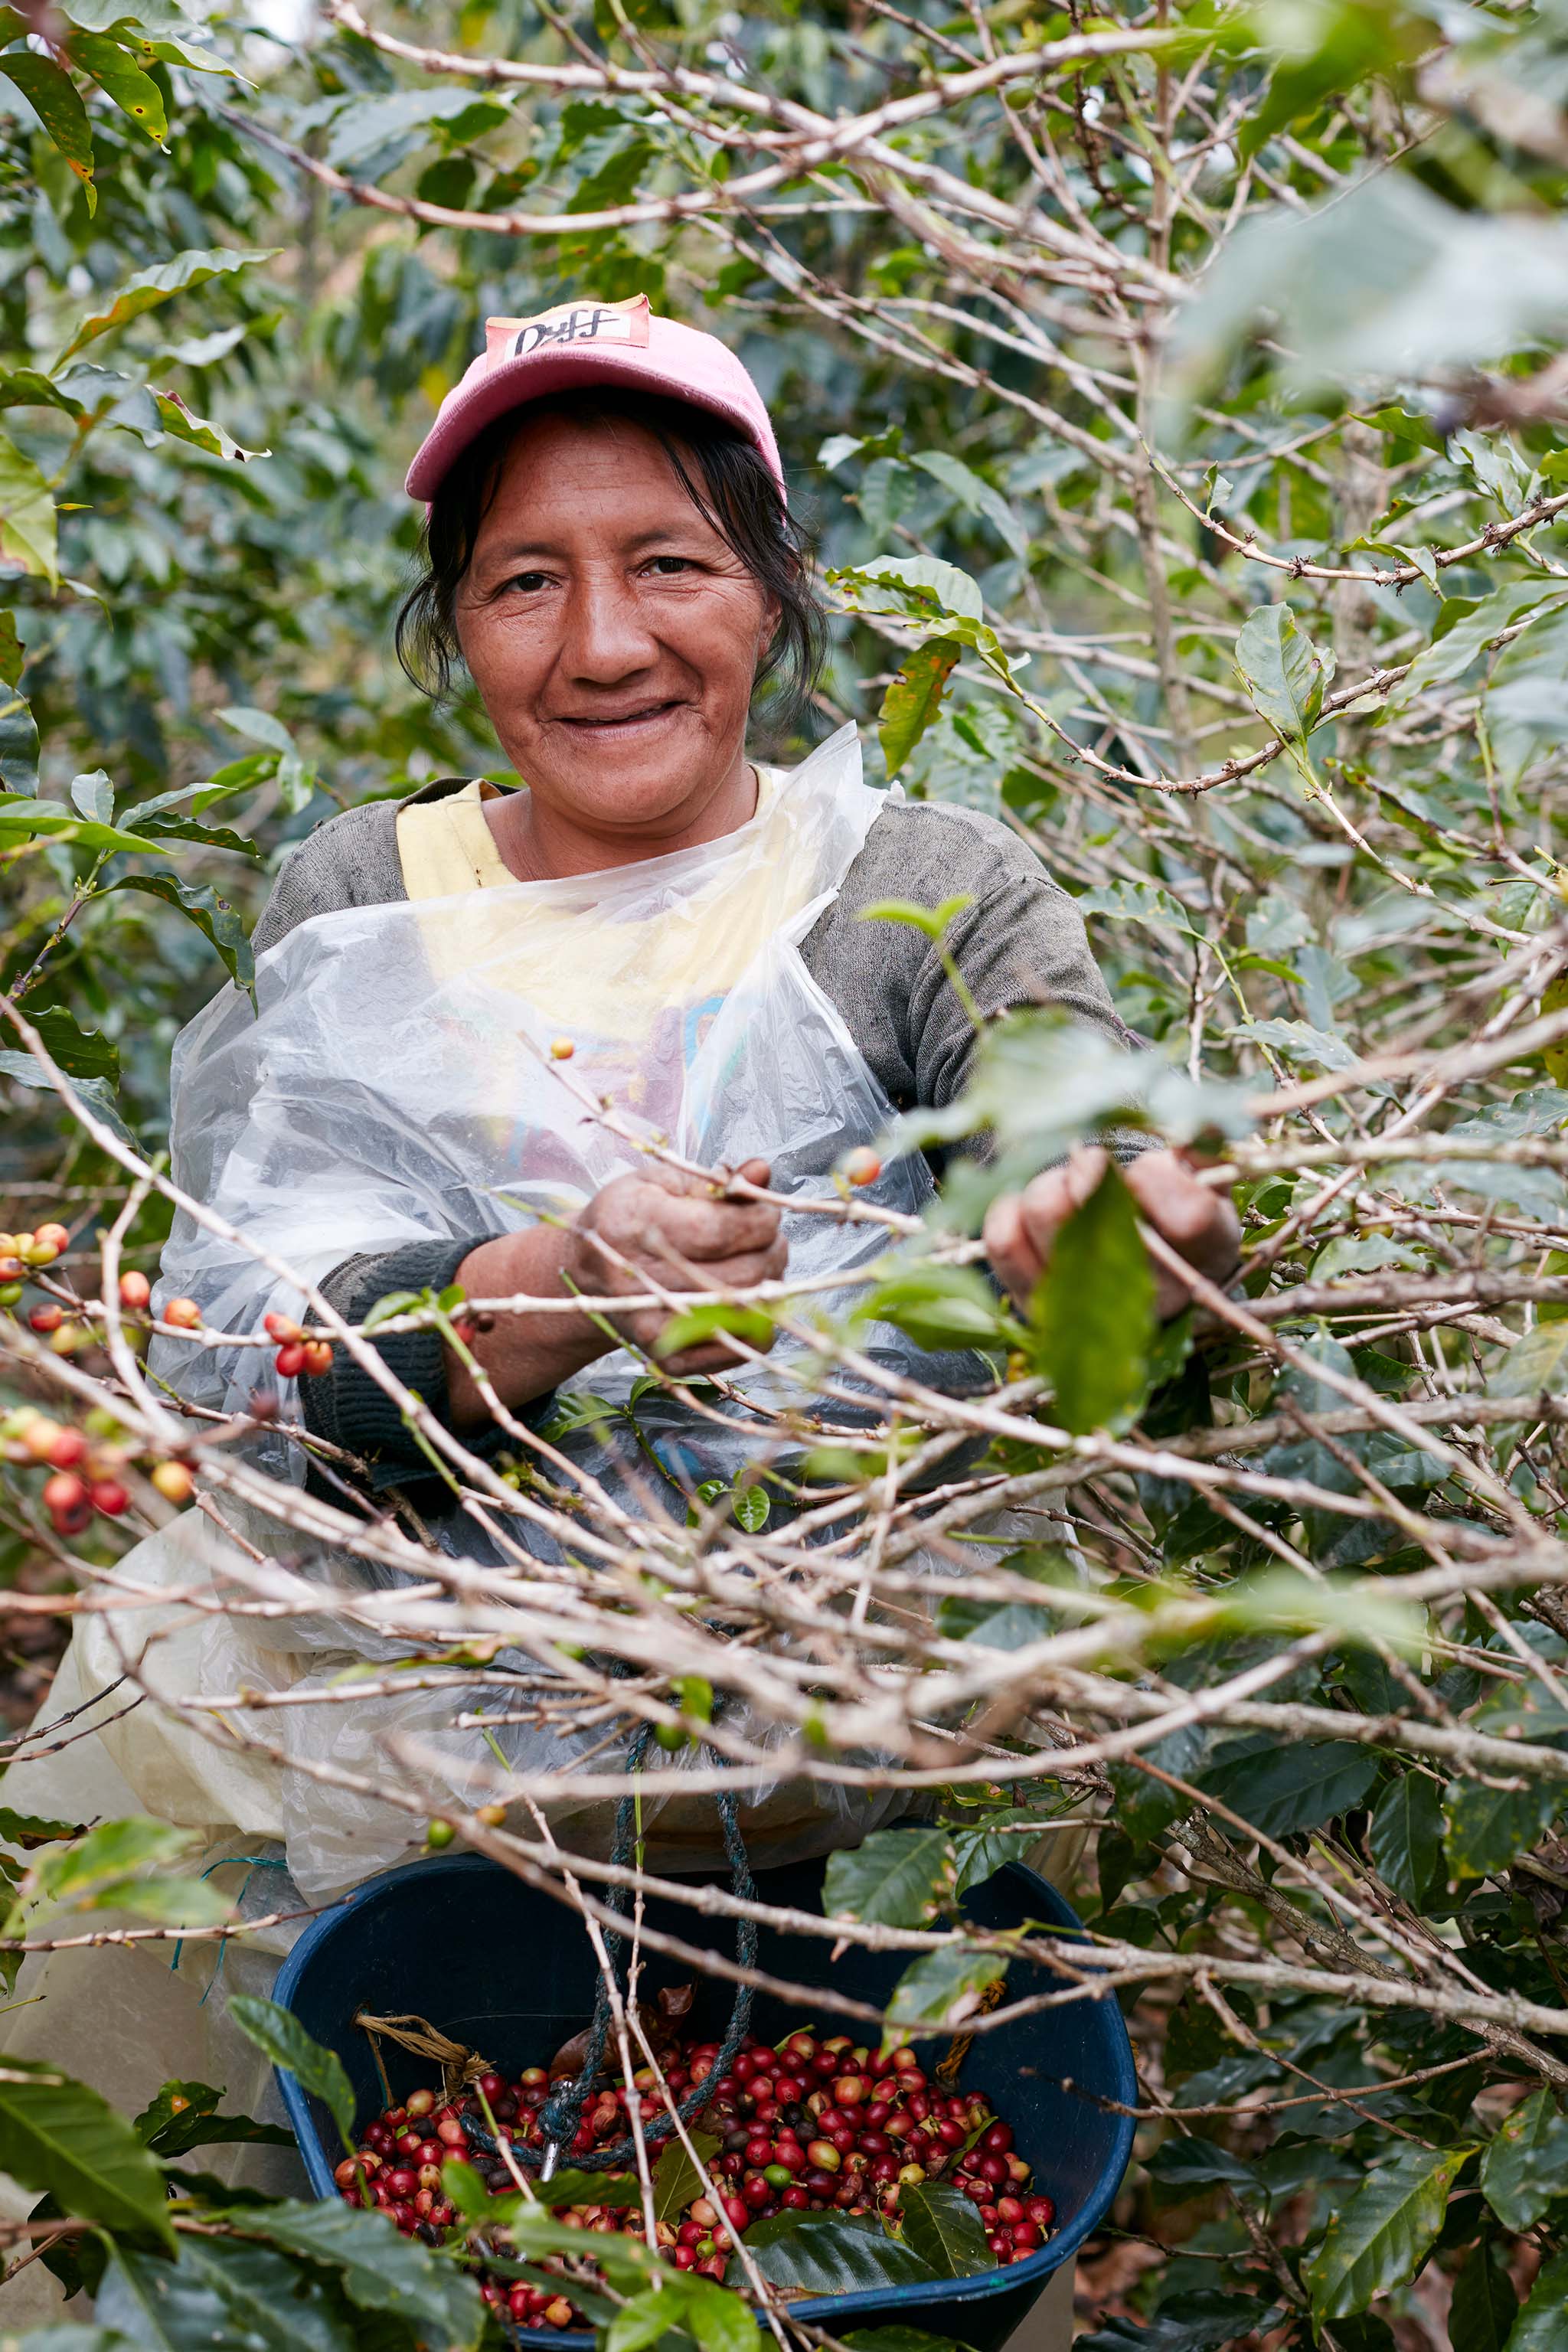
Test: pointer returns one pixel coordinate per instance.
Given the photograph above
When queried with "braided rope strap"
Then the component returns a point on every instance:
(562, 2111)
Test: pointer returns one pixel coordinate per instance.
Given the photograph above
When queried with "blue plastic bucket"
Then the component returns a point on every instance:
(510, 1972)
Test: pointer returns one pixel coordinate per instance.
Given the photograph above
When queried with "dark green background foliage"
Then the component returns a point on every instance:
(1180, 416)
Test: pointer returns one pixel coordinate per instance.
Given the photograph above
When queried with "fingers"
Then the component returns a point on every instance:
(670, 1216)
(1200, 1223)
(1009, 1249)
(1021, 1227)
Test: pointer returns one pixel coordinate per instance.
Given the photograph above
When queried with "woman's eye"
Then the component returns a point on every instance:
(667, 566)
(529, 582)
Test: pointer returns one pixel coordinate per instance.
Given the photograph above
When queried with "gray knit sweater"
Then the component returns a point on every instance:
(1021, 941)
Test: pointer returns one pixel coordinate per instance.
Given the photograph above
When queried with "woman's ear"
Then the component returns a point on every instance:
(772, 610)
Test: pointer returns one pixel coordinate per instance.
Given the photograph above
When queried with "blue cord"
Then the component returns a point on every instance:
(255, 1861)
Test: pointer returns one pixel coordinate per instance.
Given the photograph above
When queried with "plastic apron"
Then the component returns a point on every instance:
(394, 1083)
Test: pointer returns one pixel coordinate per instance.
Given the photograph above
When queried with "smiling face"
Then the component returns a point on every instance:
(614, 636)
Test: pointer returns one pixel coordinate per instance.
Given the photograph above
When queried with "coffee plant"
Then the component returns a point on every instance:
(1174, 393)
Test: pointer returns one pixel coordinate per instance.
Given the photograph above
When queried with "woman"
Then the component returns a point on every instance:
(609, 552)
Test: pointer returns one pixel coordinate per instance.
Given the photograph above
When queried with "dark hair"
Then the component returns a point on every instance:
(731, 488)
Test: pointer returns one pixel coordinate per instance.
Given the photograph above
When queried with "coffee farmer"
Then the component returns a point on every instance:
(610, 555)
(451, 989)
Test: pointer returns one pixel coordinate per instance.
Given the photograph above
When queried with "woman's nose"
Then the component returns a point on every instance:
(607, 636)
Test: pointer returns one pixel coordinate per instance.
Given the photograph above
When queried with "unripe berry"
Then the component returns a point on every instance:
(135, 1291)
(183, 1314)
(562, 1049)
(173, 1481)
(438, 1834)
(862, 1166)
(53, 1236)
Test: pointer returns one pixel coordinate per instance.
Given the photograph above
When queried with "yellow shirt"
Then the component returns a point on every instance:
(579, 968)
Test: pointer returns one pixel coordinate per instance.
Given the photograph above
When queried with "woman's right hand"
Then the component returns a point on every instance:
(657, 1230)
(662, 1230)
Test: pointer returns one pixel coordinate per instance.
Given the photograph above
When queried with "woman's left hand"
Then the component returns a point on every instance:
(1199, 1223)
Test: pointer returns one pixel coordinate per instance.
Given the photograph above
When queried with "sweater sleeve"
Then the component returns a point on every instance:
(1020, 941)
(345, 1407)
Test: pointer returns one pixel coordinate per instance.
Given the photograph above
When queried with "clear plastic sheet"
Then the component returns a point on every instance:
(394, 1083)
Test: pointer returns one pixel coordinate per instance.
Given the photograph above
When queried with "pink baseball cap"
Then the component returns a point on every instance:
(589, 342)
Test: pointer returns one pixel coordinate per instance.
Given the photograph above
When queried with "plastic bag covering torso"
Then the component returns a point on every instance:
(394, 1084)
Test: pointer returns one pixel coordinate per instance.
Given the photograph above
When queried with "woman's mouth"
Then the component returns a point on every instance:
(620, 725)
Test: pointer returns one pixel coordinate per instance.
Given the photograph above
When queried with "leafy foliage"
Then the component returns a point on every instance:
(1180, 413)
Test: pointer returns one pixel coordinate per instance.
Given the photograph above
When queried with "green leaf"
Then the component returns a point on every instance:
(54, 100)
(697, 1324)
(1537, 1367)
(1543, 2325)
(181, 426)
(381, 2270)
(944, 1988)
(278, 2033)
(58, 2136)
(1525, 2164)
(23, 818)
(215, 836)
(915, 697)
(675, 2180)
(646, 2318)
(932, 920)
(1484, 2305)
(98, 1867)
(81, 1053)
(224, 2292)
(1093, 1311)
(944, 2229)
(26, 1830)
(1383, 2235)
(942, 1307)
(922, 587)
(94, 795)
(1464, 625)
(115, 70)
(1180, 2168)
(259, 726)
(212, 916)
(1488, 1827)
(831, 2254)
(752, 1507)
(93, 1093)
(977, 496)
(149, 288)
(18, 741)
(1282, 670)
(894, 1879)
(1407, 1836)
(169, 2130)
(27, 533)
(1282, 1789)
